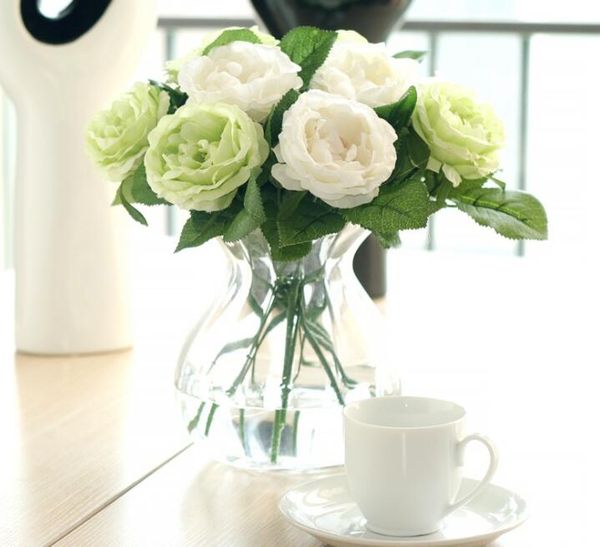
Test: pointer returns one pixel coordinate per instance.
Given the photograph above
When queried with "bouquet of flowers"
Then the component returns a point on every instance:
(293, 140)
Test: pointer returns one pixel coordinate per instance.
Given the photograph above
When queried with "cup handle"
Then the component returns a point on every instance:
(493, 465)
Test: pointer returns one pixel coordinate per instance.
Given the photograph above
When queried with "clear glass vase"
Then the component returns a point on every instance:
(264, 375)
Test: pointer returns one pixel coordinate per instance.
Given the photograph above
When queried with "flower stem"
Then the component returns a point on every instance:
(193, 424)
(291, 337)
(243, 430)
(315, 346)
(209, 419)
(295, 433)
(253, 349)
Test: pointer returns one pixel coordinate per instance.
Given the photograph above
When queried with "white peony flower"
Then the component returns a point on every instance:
(173, 67)
(364, 72)
(350, 36)
(339, 150)
(251, 76)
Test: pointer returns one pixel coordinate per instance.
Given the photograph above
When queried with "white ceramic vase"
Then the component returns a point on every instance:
(71, 269)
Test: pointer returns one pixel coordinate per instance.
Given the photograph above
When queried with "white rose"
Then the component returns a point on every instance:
(365, 72)
(263, 37)
(339, 150)
(350, 36)
(173, 67)
(251, 76)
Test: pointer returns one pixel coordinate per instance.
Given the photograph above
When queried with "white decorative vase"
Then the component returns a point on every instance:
(71, 269)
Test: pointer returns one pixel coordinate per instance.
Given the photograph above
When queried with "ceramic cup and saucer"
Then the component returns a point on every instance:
(403, 484)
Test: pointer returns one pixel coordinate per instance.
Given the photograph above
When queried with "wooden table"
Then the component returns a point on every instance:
(92, 450)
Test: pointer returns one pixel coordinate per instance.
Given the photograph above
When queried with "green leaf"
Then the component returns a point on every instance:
(253, 202)
(404, 168)
(412, 154)
(137, 190)
(275, 119)
(443, 192)
(432, 181)
(177, 98)
(388, 241)
(308, 47)
(399, 206)
(290, 202)
(515, 215)
(250, 217)
(240, 226)
(117, 199)
(265, 174)
(202, 226)
(500, 183)
(398, 114)
(310, 219)
(411, 54)
(232, 35)
(418, 151)
(281, 253)
(133, 212)
(270, 230)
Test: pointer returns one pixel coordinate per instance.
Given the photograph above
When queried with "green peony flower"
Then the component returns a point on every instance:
(464, 136)
(199, 156)
(118, 138)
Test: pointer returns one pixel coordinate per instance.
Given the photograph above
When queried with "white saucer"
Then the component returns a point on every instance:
(324, 509)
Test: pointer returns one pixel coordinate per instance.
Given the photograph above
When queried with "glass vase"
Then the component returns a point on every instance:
(263, 377)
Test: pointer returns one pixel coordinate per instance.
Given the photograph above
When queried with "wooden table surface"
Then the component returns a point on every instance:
(92, 450)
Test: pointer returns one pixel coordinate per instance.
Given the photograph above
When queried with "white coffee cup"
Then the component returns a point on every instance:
(404, 458)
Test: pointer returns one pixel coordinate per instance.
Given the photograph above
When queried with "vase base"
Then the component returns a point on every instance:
(248, 438)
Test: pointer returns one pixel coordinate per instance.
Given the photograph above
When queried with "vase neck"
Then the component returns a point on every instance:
(326, 253)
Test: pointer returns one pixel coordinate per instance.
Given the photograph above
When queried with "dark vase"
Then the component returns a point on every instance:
(374, 19)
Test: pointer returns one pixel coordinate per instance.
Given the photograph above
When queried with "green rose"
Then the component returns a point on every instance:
(464, 136)
(201, 155)
(118, 138)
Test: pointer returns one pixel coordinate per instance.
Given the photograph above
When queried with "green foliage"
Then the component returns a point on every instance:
(418, 151)
(279, 252)
(308, 47)
(241, 218)
(515, 215)
(499, 183)
(275, 119)
(306, 219)
(177, 98)
(136, 189)
(411, 54)
(133, 212)
(388, 241)
(270, 229)
(398, 114)
(250, 217)
(202, 226)
(232, 35)
(412, 154)
(400, 205)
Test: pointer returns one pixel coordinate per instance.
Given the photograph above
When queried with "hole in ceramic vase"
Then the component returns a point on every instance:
(61, 21)
(55, 9)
